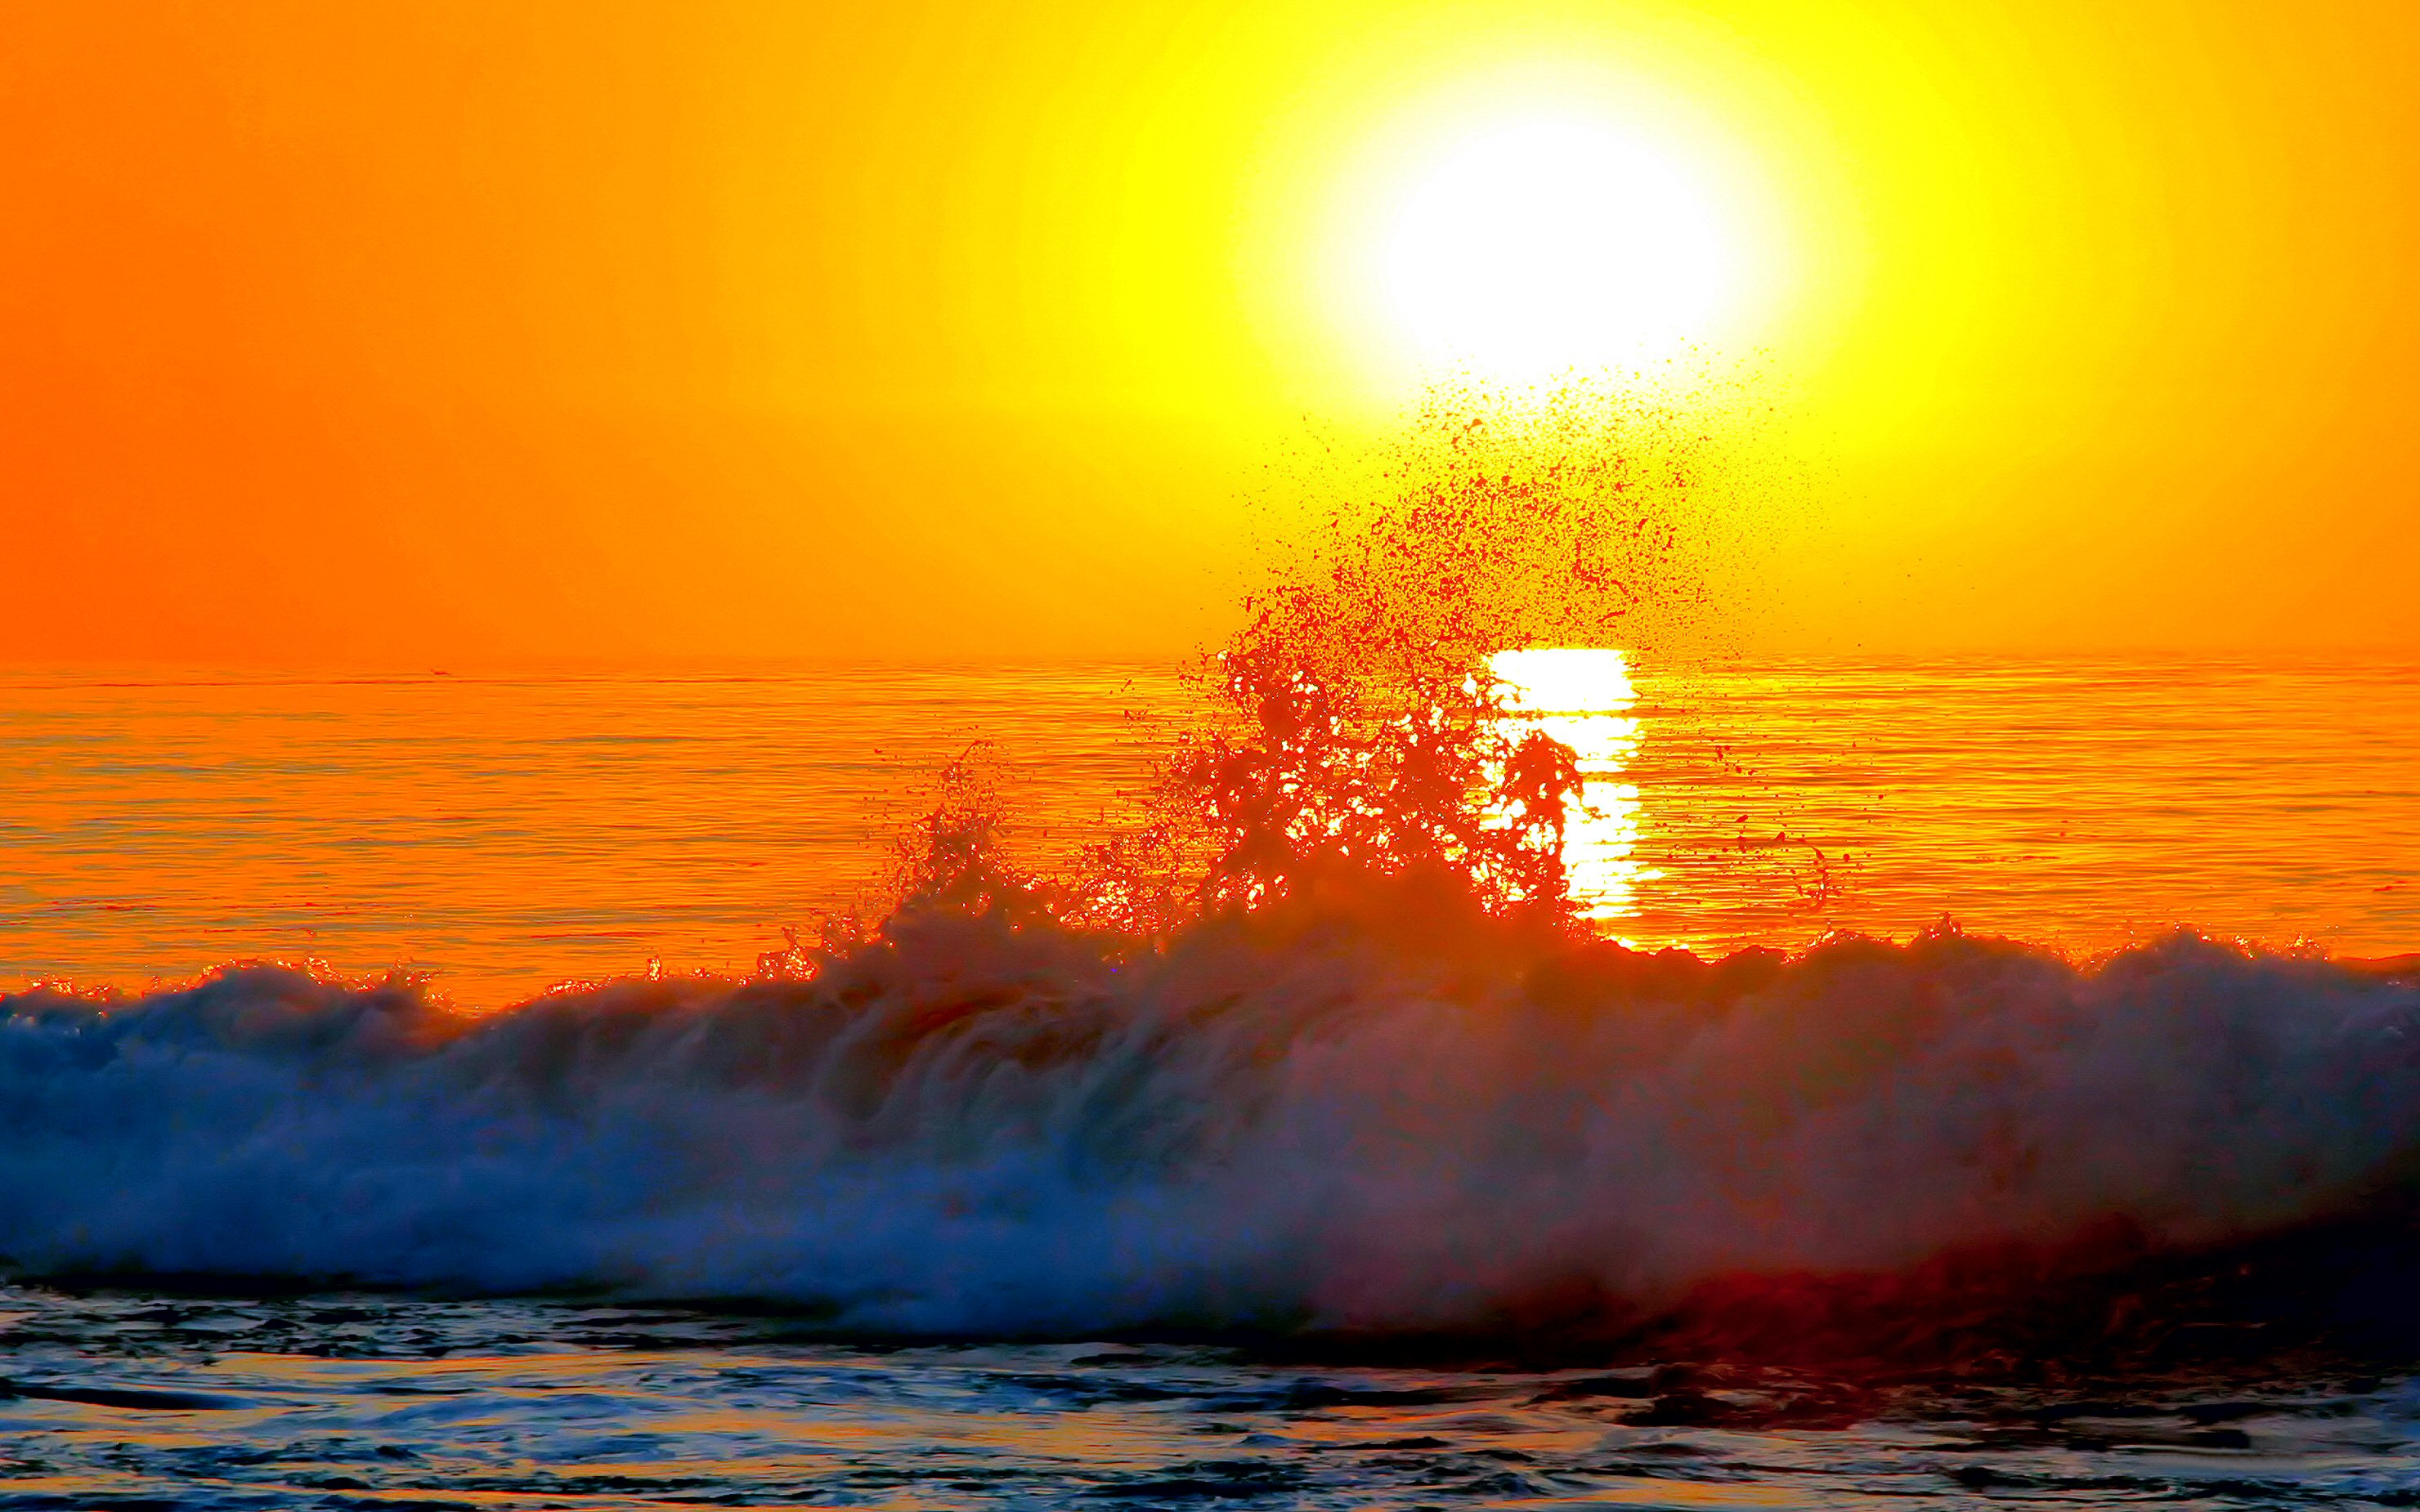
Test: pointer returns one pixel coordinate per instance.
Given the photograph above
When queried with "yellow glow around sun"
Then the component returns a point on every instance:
(1533, 244)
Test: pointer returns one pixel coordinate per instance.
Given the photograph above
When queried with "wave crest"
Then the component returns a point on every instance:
(1402, 1116)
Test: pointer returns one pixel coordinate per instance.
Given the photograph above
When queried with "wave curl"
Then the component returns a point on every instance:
(1404, 1115)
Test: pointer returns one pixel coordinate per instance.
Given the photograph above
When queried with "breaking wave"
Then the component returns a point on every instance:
(1317, 1045)
(1404, 1115)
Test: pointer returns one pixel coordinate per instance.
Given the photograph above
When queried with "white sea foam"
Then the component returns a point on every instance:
(987, 1130)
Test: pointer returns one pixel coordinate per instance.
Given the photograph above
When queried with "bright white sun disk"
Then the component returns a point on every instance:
(1536, 245)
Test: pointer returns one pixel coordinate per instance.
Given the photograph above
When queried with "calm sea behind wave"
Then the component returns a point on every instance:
(508, 831)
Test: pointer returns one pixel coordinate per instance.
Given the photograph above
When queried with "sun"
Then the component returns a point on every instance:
(1533, 244)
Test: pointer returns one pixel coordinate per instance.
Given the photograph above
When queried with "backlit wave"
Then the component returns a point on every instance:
(1320, 1041)
(1393, 1112)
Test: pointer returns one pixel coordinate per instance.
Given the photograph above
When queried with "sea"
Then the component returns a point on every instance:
(1987, 1080)
(505, 832)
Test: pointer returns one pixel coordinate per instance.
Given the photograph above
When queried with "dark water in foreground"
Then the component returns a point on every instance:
(1376, 1123)
(122, 1401)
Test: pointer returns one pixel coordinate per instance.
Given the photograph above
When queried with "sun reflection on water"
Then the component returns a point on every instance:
(1583, 697)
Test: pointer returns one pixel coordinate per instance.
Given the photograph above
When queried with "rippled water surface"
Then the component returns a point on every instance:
(505, 832)
(342, 1401)
(509, 831)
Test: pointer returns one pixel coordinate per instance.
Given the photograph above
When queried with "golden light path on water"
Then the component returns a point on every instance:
(1583, 697)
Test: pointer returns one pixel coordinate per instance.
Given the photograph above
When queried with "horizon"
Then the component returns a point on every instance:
(1309, 754)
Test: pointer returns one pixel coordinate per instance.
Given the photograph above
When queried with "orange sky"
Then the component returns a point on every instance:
(443, 332)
